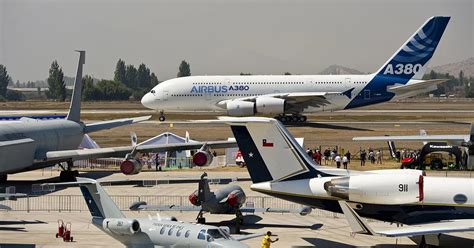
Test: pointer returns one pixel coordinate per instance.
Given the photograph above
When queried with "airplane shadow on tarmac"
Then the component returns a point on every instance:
(316, 242)
(2, 245)
(24, 186)
(251, 222)
(327, 126)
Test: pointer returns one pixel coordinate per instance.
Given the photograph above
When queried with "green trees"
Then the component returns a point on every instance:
(4, 81)
(130, 77)
(57, 88)
(184, 69)
(119, 74)
(112, 90)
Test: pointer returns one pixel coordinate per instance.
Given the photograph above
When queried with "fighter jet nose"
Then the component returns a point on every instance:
(147, 100)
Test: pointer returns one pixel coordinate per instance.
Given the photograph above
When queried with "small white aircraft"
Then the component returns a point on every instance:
(428, 206)
(288, 96)
(150, 232)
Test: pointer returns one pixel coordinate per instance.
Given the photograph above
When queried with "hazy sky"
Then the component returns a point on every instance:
(221, 37)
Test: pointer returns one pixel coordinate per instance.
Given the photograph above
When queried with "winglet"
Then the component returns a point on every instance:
(75, 107)
(355, 222)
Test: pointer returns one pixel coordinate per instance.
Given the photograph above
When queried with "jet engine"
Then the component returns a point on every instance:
(202, 158)
(270, 105)
(121, 226)
(131, 167)
(236, 198)
(387, 189)
(305, 210)
(194, 198)
(240, 108)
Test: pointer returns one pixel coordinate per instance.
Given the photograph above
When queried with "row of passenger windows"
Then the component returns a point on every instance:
(251, 83)
(187, 95)
(359, 82)
(178, 233)
(237, 94)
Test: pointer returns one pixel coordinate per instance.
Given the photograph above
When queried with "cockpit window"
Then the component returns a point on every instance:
(216, 234)
(202, 234)
(152, 91)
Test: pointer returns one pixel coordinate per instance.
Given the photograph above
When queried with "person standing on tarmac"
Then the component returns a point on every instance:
(266, 241)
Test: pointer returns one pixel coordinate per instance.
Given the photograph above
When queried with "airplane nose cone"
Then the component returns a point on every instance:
(147, 100)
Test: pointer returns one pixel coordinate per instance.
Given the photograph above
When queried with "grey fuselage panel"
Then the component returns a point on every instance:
(43, 136)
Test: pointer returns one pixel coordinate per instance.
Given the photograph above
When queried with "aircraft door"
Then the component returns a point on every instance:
(366, 94)
(165, 95)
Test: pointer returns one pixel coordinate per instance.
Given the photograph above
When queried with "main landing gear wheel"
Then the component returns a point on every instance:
(291, 119)
(162, 116)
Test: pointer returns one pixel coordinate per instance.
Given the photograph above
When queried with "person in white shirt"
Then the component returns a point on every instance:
(345, 160)
(338, 161)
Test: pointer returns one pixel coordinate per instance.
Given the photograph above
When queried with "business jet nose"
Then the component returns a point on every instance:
(147, 100)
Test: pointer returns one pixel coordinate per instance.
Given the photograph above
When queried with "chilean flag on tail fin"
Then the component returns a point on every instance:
(266, 143)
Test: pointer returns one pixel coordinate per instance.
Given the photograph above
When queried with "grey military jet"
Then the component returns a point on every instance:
(228, 200)
(30, 144)
(152, 231)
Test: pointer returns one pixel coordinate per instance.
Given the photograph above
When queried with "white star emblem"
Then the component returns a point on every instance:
(251, 155)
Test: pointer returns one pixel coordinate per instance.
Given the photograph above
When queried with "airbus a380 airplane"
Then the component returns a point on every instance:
(288, 96)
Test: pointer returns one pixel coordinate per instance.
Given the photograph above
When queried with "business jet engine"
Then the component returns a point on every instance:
(202, 158)
(387, 189)
(131, 166)
(121, 226)
(194, 198)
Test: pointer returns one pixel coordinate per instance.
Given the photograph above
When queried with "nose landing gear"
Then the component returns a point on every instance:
(162, 116)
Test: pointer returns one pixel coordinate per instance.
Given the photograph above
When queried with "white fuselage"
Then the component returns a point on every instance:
(210, 93)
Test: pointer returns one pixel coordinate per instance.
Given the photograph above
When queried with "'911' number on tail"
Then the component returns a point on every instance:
(402, 69)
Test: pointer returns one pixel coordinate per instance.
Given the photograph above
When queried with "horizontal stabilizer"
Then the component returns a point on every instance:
(360, 226)
(94, 127)
(423, 85)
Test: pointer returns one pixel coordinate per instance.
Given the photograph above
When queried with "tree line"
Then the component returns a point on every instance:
(130, 82)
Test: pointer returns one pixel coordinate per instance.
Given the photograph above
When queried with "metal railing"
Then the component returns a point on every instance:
(76, 203)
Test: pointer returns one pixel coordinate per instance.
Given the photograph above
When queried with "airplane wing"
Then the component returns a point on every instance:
(137, 206)
(121, 151)
(360, 226)
(458, 138)
(297, 100)
(247, 236)
(302, 211)
(97, 126)
(421, 85)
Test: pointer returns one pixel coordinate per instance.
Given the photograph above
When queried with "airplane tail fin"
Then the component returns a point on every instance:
(98, 201)
(270, 151)
(204, 192)
(75, 107)
(411, 60)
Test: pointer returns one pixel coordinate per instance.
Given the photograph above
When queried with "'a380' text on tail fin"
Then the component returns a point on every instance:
(411, 60)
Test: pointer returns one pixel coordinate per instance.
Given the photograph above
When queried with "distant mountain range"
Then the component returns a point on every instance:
(467, 66)
(339, 70)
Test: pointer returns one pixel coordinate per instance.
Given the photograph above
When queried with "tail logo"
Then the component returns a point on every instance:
(266, 143)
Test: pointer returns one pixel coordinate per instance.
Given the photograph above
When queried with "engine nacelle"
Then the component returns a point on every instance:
(131, 167)
(387, 189)
(305, 210)
(202, 158)
(121, 226)
(236, 198)
(270, 105)
(240, 108)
